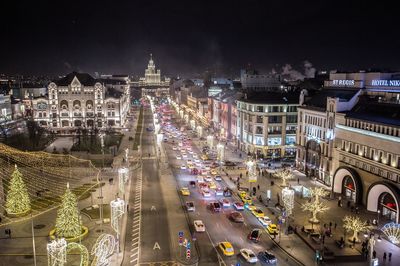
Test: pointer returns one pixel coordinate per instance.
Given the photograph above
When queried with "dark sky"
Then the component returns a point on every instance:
(188, 37)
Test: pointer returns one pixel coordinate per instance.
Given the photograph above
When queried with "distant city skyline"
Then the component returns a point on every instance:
(188, 38)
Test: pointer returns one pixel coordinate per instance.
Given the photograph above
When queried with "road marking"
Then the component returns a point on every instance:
(153, 208)
(156, 246)
(135, 242)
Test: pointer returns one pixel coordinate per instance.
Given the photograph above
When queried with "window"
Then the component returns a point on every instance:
(274, 130)
(290, 129)
(260, 108)
(275, 119)
(274, 141)
(259, 140)
(292, 109)
(259, 130)
(259, 119)
(290, 140)
(291, 119)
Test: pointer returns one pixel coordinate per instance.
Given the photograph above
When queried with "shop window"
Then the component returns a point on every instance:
(274, 141)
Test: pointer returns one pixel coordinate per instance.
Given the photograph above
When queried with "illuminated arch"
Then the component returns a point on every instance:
(376, 190)
(82, 250)
(339, 177)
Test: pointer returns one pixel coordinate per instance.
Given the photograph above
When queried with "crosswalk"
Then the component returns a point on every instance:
(135, 243)
(159, 263)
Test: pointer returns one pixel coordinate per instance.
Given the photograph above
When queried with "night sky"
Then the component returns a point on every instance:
(189, 37)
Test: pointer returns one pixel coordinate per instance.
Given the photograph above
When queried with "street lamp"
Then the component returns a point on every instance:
(379, 212)
(117, 210)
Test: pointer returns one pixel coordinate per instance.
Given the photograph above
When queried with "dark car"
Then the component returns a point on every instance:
(229, 163)
(236, 217)
(265, 256)
(254, 235)
(215, 206)
(190, 206)
(192, 183)
(227, 192)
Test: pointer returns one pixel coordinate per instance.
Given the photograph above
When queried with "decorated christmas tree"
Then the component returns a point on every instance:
(17, 201)
(68, 223)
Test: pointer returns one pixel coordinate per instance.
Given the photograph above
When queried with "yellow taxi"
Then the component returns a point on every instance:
(185, 191)
(257, 213)
(242, 193)
(190, 166)
(214, 172)
(247, 200)
(212, 185)
(226, 248)
(250, 207)
(204, 157)
(272, 229)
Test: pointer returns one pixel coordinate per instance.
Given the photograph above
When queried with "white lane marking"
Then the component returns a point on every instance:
(156, 246)
(153, 208)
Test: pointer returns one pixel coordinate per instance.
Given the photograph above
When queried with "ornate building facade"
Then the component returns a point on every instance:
(78, 100)
(152, 83)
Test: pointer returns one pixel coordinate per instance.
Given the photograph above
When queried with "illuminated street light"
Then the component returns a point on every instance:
(288, 200)
(123, 177)
(210, 141)
(117, 210)
(252, 171)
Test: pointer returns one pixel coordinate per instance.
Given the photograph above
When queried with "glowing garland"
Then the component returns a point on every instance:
(103, 249)
(117, 210)
(355, 224)
(57, 252)
(392, 231)
(288, 200)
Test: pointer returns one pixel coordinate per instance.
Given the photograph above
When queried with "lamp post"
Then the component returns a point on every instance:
(117, 210)
(379, 212)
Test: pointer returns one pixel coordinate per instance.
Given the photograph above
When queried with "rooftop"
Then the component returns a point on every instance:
(271, 97)
(319, 99)
(84, 78)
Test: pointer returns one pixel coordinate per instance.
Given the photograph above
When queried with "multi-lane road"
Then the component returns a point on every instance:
(148, 224)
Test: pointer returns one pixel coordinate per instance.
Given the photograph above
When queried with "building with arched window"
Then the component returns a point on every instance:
(80, 101)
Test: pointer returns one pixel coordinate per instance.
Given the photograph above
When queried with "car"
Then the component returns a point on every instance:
(200, 179)
(174, 148)
(183, 167)
(225, 203)
(212, 185)
(190, 152)
(236, 217)
(184, 155)
(199, 226)
(247, 200)
(242, 193)
(218, 178)
(254, 235)
(195, 156)
(250, 207)
(190, 206)
(206, 192)
(227, 192)
(226, 248)
(196, 160)
(208, 178)
(267, 257)
(265, 221)
(185, 191)
(229, 163)
(178, 157)
(192, 183)
(248, 255)
(215, 206)
(165, 140)
(219, 192)
(257, 213)
(191, 166)
(214, 172)
(272, 229)
(238, 206)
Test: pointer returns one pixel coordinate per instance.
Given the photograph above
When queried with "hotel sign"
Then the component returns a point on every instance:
(343, 82)
(385, 83)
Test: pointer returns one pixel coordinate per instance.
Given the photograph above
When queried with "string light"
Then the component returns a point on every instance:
(355, 224)
(57, 252)
(392, 231)
(18, 202)
(288, 200)
(103, 249)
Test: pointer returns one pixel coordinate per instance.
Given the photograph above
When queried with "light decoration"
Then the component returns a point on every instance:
(82, 250)
(392, 231)
(103, 249)
(57, 252)
(252, 171)
(45, 175)
(210, 141)
(123, 177)
(220, 152)
(68, 224)
(18, 202)
(117, 210)
(285, 175)
(315, 208)
(354, 223)
(318, 192)
(288, 200)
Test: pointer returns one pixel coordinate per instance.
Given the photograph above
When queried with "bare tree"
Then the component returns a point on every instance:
(354, 223)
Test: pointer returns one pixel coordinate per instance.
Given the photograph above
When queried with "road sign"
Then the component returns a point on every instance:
(180, 234)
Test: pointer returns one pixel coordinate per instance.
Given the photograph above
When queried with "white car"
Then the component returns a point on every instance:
(248, 255)
(174, 148)
(196, 160)
(265, 221)
(199, 226)
(190, 151)
(238, 206)
(219, 192)
(208, 178)
(218, 178)
(184, 155)
(195, 156)
(206, 192)
(178, 157)
(183, 167)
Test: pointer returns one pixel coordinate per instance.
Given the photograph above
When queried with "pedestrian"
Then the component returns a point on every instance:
(374, 254)
(324, 225)
(330, 224)
(352, 208)
(298, 181)
(384, 255)
(390, 256)
(127, 208)
(348, 204)
(323, 239)
(335, 225)
(354, 242)
(258, 187)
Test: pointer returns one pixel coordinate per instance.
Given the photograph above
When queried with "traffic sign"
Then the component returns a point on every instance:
(180, 233)
(188, 254)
